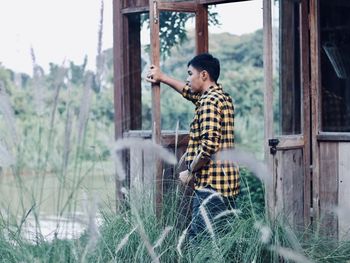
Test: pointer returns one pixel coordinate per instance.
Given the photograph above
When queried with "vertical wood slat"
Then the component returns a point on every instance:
(344, 192)
(118, 82)
(328, 186)
(289, 186)
(315, 84)
(305, 84)
(293, 186)
(202, 36)
(155, 59)
(268, 94)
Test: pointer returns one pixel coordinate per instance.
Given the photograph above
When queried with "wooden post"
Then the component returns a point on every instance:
(268, 95)
(155, 58)
(201, 29)
(305, 84)
(315, 84)
(118, 83)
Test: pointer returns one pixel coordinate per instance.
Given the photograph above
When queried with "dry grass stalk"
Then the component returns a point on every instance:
(162, 237)
(58, 82)
(99, 57)
(138, 143)
(140, 229)
(85, 105)
(38, 76)
(265, 232)
(234, 212)
(290, 254)
(207, 221)
(124, 241)
(181, 241)
(67, 138)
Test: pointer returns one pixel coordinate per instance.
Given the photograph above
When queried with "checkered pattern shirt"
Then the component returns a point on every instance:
(212, 130)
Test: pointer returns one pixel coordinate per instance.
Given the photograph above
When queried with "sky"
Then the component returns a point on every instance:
(67, 30)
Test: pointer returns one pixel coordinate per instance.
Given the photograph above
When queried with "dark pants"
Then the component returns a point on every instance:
(213, 207)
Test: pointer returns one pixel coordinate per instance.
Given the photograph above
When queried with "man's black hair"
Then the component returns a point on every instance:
(206, 61)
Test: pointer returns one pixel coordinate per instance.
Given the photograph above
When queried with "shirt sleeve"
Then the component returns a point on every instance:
(210, 128)
(188, 94)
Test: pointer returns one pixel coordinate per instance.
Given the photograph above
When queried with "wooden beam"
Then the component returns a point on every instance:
(177, 6)
(333, 136)
(135, 10)
(202, 35)
(118, 82)
(156, 117)
(268, 96)
(291, 142)
(134, 3)
(305, 84)
(315, 85)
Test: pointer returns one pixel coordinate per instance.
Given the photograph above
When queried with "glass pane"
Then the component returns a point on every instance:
(335, 65)
(290, 91)
(145, 64)
(177, 41)
(286, 67)
(275, 9)
(237, 41)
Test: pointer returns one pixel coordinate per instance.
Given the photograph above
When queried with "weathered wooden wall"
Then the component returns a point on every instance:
(289, 186)
(334, 185)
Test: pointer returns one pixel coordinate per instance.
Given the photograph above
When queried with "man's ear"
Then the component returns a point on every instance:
(204, 75)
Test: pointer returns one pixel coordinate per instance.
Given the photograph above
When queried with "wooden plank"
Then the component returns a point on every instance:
(315, 100)
(155, 59)
(333, 136)
(126, 94)
(118, 84)
(118, 67)
(289, 186)
(344, 193)
(278, 185)
(305, 84)
(328, 182)
(135, 3)
(202, 35)
(290, 142)
(268, 95)
(293, 186)
(177, 6)
(135, 10)
(169, 140)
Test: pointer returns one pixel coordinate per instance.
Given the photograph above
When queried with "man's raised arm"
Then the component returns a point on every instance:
(155, 75)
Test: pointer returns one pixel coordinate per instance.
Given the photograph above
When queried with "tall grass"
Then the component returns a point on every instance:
(50, 168)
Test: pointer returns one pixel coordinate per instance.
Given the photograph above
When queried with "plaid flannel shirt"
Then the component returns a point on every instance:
(212, 130)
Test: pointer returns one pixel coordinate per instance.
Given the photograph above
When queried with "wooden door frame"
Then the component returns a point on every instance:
(302, 140)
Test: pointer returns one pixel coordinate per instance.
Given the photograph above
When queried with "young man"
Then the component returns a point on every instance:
(211, 130)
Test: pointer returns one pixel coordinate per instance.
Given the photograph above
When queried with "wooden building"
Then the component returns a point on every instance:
(306, 67)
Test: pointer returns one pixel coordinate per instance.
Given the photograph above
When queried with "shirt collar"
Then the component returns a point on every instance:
(211, 89)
